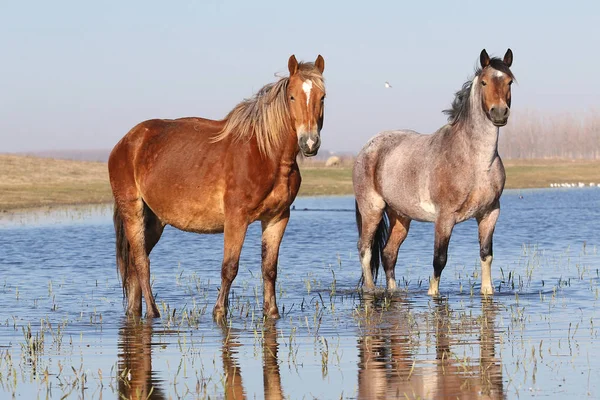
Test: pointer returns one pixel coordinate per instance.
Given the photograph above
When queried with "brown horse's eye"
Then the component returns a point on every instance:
(322, 99)
(292, 98)
(483, 83)
(510, 83)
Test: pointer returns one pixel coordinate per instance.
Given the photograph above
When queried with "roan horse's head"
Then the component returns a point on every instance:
(306, 100)
(495, 80)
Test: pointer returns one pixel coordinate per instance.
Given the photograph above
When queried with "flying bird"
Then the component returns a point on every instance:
(387, 85)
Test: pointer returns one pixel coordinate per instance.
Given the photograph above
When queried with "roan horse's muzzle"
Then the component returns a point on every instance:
(499, 115)
(309, 143)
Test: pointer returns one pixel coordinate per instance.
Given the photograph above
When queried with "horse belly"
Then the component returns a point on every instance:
(423, 212)
(196, 212)
(410, 201)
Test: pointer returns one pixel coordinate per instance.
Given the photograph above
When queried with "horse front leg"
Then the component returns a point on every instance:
(234, 235)
(271, 240)
(443, 231)
(487, 224)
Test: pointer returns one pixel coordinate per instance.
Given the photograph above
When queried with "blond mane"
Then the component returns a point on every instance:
(266, 115)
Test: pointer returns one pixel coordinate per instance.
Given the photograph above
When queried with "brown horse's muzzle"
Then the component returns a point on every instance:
(309, 143)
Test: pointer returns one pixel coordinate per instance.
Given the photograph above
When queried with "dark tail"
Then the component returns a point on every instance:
(122, 250)
(379, 240)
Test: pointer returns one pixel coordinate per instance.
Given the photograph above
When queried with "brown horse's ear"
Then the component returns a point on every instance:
(320, 63)
(484, 59)
(293, 65)
(508, 57)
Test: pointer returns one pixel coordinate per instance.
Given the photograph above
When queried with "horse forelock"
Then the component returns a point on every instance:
(266, 115)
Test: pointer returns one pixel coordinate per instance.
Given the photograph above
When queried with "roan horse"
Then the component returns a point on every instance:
(447, 177)
(207, 176)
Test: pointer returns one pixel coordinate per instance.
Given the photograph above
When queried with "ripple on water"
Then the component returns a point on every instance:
(62, 327)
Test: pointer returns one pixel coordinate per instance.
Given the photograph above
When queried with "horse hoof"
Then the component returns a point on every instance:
(368, 287)
(487, 291)
(152, 314)
(134, 313)
(219, 314)
(272, 313)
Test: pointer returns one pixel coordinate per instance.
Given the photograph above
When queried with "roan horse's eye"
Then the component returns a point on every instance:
(510, 83)
(483, 83)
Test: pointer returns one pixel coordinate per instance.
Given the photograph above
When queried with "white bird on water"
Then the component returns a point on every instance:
(387, 85)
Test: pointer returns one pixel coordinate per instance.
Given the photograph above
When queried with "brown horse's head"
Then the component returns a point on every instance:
(306, 100)
(495, 80)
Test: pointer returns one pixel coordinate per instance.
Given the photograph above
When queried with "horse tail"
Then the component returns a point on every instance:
(122, 247)
(379, 240)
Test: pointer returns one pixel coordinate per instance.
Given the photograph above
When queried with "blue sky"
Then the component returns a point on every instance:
(79, 75)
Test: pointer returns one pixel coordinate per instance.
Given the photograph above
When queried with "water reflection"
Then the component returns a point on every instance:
(136, 380)
(233, 376)
(271, 375)
(394, 361)
(234, 388)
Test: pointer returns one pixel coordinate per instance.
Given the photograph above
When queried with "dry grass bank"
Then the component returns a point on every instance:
(27, 182)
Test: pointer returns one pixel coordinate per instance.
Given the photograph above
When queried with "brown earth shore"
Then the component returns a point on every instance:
(33, 182)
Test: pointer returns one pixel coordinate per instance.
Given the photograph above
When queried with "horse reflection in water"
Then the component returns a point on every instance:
(234, 388)
(390, 365)
(136, 380)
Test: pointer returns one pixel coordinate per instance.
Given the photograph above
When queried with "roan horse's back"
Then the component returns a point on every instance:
(393, 167)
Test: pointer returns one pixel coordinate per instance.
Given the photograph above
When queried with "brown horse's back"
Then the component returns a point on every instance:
(148, 163)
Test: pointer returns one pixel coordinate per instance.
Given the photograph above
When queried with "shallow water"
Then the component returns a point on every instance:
(62, 330)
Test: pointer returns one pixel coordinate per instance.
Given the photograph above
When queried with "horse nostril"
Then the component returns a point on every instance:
(492, 110)
(506, 112)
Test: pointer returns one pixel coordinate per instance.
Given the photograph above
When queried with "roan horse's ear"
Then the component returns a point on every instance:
(320, 63)
(293, 65)
(508, 57)
(484, 59)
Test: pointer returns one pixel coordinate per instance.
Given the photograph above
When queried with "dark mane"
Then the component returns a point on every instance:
(458, 108)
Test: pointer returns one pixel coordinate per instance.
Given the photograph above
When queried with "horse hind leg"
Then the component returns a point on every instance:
(369, 220)
(399, 227)
(443, 231)
(133, 216)
(132, 291)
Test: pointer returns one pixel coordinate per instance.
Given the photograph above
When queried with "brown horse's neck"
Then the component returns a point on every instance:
(289, 149)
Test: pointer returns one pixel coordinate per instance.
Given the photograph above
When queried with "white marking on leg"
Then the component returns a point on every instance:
(366, 267)
(486, 276)
(434, 286)
(391, 284)
(307, 87)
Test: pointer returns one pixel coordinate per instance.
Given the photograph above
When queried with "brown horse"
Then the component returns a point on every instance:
(209, 176)
(447, 177)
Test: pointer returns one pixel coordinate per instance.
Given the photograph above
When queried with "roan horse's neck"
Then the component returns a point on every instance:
(481, 132)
